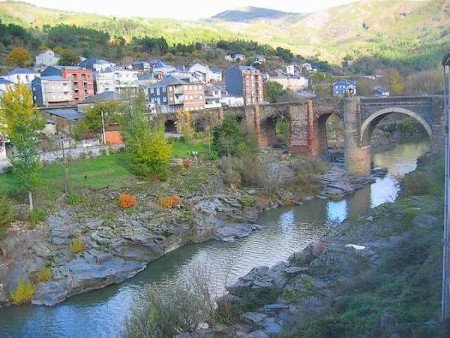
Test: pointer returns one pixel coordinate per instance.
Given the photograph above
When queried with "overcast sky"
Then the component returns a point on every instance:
(181, 9)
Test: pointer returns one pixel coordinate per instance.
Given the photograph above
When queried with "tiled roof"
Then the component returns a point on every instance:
(168, 81)
(21, 71)
(5, 82)
(66, 113)
(102, 97)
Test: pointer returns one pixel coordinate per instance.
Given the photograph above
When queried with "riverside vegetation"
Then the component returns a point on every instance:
(377, 274)
(113, 219)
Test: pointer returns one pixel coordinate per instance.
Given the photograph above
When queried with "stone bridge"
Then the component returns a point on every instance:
(308, 118)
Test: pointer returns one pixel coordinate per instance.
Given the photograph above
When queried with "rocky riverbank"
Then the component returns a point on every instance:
(376, 275)
(120, 243)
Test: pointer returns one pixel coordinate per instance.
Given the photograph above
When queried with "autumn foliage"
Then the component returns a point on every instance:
(169, 201)
(127, 201)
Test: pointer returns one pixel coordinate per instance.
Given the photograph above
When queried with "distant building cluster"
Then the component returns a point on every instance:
(66, 92)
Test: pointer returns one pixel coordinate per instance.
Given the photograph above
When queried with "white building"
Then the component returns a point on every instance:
(47, 58)
(213, 95)
(97, 65)
(116, 80)
(51, 91)
(232, 101)
(208, 74)
(21, 75)
(294, 83)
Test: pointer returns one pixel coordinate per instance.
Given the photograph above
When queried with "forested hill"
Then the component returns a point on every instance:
(361, 35)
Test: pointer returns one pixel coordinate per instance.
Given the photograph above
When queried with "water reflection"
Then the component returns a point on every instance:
(102, 313)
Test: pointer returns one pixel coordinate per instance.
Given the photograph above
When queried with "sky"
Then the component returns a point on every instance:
(181, 9)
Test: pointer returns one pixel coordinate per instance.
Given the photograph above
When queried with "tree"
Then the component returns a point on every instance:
(19, 57)
(273, 91)
(68, 57)
(92, 122)
(233, 139)
(285, 54)
(21, 122)
(149, 150)
(394, 81)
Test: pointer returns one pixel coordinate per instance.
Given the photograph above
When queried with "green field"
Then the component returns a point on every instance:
(97, 172)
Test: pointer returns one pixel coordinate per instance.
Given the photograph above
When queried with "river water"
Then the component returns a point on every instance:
(285, 230)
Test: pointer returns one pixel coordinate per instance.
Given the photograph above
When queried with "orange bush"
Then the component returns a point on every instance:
(127, 201)
(169, 201)
(187, 163)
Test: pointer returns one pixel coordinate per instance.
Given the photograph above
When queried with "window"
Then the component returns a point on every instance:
(157, 91)
(164, 99)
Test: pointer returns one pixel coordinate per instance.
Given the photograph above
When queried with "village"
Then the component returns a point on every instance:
(65, 93)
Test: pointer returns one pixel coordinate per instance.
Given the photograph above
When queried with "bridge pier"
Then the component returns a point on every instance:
(357, 158)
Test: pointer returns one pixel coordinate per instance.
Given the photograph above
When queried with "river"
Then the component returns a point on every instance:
(102, 313)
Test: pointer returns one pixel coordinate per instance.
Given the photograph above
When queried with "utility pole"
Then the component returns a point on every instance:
(445, 313)
(103, 129)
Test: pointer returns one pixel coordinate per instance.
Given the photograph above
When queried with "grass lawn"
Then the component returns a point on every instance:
(98, 172)
(185, 149)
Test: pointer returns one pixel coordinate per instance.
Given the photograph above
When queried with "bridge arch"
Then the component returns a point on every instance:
(270, 133)
(323, 128)
(371, 122)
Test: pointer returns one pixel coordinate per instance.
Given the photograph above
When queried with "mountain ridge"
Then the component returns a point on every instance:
(409, 31)
(249, 14)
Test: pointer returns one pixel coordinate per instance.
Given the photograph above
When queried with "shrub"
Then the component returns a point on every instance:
(169, 201)
(37, 216)
(127, 201)
(7, 214)
(45, 274)
(187, 163)
(415, 184)
(23, 293)
(212, 156)
(169, 310)
(77, 245)
(75, 199)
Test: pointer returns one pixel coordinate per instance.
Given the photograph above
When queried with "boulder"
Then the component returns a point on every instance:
(229, 232)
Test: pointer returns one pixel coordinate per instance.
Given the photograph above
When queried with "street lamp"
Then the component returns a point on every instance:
(445, 313)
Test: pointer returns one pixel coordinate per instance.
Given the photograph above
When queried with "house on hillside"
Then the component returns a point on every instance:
(116, 79)
(172, 94)
(159, 67)
(96, 65)
(21, 75)
(344, 88)
(294, 83)
(141, 66)
(259, 60)
(51, 91)
(246, 82)
(82, 80)
(381, 91)
(47, 58)
(206, 74)
(235, 57)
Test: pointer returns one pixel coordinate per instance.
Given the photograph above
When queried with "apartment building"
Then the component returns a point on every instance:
(52, 91)
(82, 80)
(245, 81)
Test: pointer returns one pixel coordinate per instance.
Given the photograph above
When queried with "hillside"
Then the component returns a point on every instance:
(414, 34)
(249, 14)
